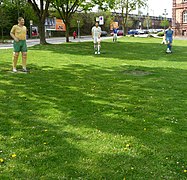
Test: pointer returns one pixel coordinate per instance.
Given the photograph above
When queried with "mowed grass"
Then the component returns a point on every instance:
(121, 114)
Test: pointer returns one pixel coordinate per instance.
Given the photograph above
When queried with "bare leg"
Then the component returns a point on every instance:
(24, 60)
(170, 46)
(95, 48)
(15, 60)
(99, 46)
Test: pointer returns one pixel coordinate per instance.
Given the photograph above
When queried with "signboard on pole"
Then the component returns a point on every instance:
(53, 24)
(34, 31)
(60, 26)
(101, 20)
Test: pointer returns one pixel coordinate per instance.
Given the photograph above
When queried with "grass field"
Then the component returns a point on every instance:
(121, 114)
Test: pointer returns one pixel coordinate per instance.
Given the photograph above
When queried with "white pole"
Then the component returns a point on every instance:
(78, 22)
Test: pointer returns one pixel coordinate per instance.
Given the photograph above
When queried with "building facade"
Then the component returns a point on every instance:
(179, 15)
(139, 21)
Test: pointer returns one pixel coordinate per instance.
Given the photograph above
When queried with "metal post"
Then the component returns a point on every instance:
(78, 22)
(31, 23)
(153, 20)
(139, 19)
(30, 31)
(165, 14)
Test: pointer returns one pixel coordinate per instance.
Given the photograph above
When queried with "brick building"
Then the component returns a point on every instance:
(179, 15)
(139, 19)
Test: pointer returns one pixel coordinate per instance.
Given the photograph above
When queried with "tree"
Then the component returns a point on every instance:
(4, 20)
(10, 10)
(73, 23)
(41, 11)
(130, 22)
(125, 7)
(164, 23)
(66, 8)
(147, 23)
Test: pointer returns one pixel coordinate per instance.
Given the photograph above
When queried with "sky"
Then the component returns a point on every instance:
(156, 7)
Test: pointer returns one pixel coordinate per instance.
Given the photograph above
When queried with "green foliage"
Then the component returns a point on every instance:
(164, 23)
(76, 17)
(5, 22)
(104, 5)
(147, 23)
(30, 15)
(130, 22)
(9, 12)
(126, 7)
(160, 34)
(66, 9)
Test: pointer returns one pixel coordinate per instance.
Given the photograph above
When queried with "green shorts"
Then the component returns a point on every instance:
(20, 46)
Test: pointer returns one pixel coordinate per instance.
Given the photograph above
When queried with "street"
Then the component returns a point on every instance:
(55, 40)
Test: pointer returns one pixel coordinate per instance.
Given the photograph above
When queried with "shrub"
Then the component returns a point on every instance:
(160, 34)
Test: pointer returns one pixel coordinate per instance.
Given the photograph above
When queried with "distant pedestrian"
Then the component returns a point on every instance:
(169, 39)
(96, 35)
(19, 33)
(74, 34)
(115, 34)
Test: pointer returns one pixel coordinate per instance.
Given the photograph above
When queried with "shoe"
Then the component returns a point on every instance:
(99, 53)
(96, 52)
(14, 70)
(25, 70)
(168, 51)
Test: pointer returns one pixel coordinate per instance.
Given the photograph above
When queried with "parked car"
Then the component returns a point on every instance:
(155, 31)
(151, 30)
(140, 31)
(133, 32)
(159, 30)
(103, 33)
(120, 32)
(146, 31)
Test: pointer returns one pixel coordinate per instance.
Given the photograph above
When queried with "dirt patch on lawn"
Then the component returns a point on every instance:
(137, 72)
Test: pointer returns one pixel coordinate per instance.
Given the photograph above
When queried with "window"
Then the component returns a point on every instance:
(185, 17)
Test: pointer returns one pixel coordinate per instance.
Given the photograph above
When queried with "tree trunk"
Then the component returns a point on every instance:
(125, 24)
(41, 14)
(67, 30)
(125, 21)
(2, 33)
(42, 33)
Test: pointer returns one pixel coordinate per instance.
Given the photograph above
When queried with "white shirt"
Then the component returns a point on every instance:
(96, 31)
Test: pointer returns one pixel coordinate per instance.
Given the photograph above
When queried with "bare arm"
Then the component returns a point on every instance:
(92, 33)
(100, 33)
(14, 37)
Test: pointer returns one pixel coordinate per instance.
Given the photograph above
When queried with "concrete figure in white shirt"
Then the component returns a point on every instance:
(96, 36)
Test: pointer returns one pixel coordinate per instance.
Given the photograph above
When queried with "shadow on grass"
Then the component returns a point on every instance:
(59, 123)
(130, 49)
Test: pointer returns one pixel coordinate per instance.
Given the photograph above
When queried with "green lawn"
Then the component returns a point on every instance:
(121, 114)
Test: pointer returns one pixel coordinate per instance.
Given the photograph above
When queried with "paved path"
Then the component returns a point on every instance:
(181, 38)
(56, 40)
